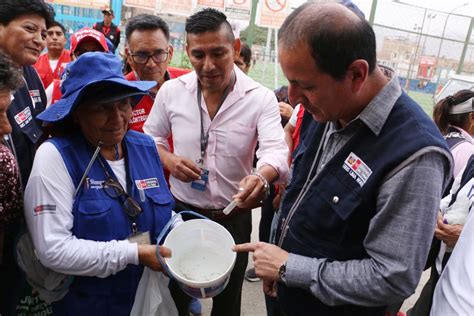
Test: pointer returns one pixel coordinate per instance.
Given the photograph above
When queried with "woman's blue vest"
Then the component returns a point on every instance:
(101, 218)
(333, 218)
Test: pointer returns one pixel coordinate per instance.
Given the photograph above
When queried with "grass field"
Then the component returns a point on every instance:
(266, 76)
(423, 99)
(258, 72)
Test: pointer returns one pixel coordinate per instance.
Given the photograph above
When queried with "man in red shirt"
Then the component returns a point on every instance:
(148, 52)
(109, 29)
(83, 41)
(51, 64)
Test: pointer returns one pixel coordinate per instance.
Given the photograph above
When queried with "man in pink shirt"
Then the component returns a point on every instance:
(216, 115)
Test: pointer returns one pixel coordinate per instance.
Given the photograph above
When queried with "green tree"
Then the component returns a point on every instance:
(260, 36)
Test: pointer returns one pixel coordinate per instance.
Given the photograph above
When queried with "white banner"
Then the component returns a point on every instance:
(178, 7)
(238, 9)
(216, 4)
(90, 4)
(272, 13)
(143, 4)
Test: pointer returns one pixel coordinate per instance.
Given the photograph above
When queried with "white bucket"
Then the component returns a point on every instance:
(202, 257)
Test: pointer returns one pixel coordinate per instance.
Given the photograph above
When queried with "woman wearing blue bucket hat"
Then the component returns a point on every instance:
(96, 198)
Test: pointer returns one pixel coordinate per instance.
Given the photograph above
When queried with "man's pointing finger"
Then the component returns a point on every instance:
(247, 247)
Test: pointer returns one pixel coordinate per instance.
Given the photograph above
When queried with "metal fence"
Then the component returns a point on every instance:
(424, 46)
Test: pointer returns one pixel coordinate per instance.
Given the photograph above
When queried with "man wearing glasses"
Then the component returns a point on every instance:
(148, 52)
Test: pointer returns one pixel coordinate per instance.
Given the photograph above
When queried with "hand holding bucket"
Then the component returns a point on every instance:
(202, 255)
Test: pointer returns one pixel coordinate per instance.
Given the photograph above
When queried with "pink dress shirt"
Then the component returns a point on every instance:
(249, 114)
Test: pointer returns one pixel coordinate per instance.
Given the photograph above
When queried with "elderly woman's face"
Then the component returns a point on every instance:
(5, 99)
(23, 39)
(105, 122)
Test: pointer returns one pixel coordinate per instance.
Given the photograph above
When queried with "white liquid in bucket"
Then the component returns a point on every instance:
(202, 265)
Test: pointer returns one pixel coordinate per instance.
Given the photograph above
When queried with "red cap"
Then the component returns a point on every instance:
(88, 33)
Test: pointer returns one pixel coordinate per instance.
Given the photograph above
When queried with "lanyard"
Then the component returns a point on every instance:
(205, 134)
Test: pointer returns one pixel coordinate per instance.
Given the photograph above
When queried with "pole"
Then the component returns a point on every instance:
(253, 14)
(267, 53)
(430, 17)
(276, 58)
(373, 8)
(416, 52)
(441, 42)
(464, 50)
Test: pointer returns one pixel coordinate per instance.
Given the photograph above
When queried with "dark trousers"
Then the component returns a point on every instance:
(273, 306)
(422, 306)
(228, 302)
(271, 303)
(267, 216)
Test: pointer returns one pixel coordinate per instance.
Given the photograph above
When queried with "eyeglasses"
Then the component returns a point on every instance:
(114, 189)
(157, 56)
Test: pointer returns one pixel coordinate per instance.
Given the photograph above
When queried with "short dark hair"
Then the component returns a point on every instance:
(12, 9)
(335, 40)
(56, 23)
(246, 53)
(146, 22)
(10, 74)
(441, 116)
(208, 20)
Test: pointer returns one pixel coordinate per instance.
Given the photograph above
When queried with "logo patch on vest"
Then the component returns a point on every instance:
(35, 95)
(147, 183)
(24, 117)
(94, 184)
(357, 169)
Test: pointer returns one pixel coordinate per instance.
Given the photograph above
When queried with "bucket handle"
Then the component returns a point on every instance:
(164, 231)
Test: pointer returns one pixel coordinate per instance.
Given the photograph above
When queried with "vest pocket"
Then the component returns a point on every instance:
(159, 198)
(324, 222)
(92, 221)
(342, 199)
(162, 205)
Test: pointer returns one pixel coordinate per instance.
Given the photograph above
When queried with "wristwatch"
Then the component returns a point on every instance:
(282, 273)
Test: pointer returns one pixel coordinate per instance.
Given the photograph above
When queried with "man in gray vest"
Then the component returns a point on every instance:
(359, 213)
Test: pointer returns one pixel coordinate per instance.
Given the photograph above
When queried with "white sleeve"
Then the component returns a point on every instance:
(48, 213)
(455, 287)
(294, 116)
(272, 148)
(49, 94)
(158, 124)
(457, 213)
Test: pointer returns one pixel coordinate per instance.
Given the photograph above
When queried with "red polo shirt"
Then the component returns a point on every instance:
(142, 109)
(44, 70)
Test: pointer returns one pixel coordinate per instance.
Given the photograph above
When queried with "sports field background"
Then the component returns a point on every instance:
(265, 74)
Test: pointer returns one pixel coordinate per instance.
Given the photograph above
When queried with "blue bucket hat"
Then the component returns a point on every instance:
(93, 70)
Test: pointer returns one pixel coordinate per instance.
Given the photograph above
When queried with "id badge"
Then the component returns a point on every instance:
(200, 184)
(140, 238)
